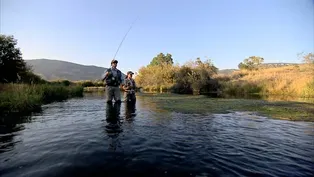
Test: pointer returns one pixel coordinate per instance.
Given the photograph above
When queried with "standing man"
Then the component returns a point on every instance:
(129, 87)
(113, 79)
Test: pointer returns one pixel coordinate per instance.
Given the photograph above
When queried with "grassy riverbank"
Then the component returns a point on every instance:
(23, 98)
(200, 77)
(288, 110)
(297, 81)
(94, 89)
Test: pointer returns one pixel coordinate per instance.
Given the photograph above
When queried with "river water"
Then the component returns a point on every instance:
(86, 137)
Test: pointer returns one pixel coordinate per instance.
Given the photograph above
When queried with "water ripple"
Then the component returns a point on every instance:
(85, 137)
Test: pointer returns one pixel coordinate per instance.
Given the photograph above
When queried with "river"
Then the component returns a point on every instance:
(86, 137)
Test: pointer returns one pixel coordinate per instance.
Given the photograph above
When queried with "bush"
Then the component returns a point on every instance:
(19, 98)
(88, 83)
(61, 83)
(241, 88)
(66, 82)
(182, 88)
(28, 98)
(50, 93)
(76, 91)
(31, 78)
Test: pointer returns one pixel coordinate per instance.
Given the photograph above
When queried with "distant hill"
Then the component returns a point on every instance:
(226, 71)
(276, 65)
(56, 69)
(263, 65)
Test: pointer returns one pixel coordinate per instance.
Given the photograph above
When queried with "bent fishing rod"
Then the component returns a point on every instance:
(124, 38)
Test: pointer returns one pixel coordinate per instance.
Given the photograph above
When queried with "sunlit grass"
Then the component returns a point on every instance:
(289, 80)
(203, 105)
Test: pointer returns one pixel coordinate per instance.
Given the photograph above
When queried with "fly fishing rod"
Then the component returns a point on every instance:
(124, 38)
(122, 42)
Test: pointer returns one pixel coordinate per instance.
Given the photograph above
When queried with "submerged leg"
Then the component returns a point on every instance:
(117, 94)
(109, 94)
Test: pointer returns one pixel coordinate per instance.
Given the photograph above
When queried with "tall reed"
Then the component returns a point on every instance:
(28, 98)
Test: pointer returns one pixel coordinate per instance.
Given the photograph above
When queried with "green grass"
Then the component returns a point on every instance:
(241, 88)
(289, 110)
(22, 98)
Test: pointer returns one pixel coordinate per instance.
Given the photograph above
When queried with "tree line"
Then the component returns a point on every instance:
(255, 62)
(193, 77)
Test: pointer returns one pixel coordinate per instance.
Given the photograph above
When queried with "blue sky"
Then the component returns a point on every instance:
(226, 31)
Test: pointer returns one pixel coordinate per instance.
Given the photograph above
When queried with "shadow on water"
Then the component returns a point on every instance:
(10, 126)
(7, 134)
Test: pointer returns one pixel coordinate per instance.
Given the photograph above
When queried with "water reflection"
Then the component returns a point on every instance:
(10, 126)
(78, 139)
(130, 109)
(144, 101)
(113, 127)
(7, 134)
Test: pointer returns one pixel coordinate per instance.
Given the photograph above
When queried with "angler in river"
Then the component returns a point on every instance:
(129, 88)
(113, 79)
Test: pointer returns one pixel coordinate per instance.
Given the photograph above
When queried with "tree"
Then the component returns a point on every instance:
(183, 81)
(193, 77)
(12, 66)
(251, 63)
(156, 76)
(309, 58)
(200, 74)
(162, 59)
(242, 66)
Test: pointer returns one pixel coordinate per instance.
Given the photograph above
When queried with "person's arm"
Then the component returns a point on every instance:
(105, 75)
(125, 86)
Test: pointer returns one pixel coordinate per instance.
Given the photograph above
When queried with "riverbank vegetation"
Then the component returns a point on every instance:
(297, 80)
(296, 110)
(90, 83)
(162, 75)
(26, 98)
(23, 91)
(252, 78)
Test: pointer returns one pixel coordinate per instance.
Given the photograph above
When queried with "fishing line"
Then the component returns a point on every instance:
(124, 38)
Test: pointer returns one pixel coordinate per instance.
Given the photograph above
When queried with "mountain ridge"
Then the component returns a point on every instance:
(52, 69)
